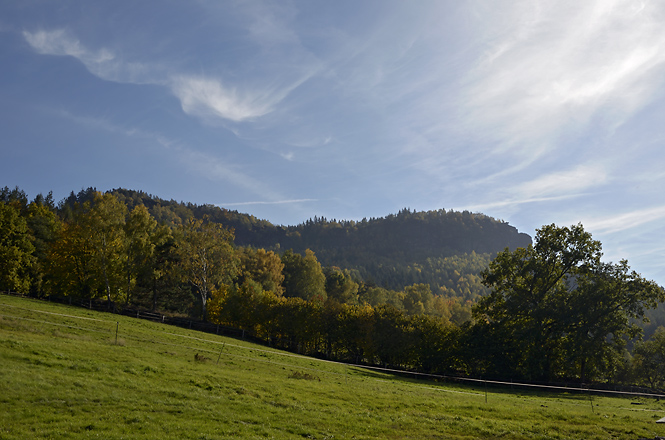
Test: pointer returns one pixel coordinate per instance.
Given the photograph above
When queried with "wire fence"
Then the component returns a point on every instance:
(102, 305)
(186, 323)
(222, 349)
(347, 376)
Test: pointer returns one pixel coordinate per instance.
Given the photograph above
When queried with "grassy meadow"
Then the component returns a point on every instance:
(65, 376)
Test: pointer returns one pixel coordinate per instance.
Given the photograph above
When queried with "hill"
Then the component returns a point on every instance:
(445, 249)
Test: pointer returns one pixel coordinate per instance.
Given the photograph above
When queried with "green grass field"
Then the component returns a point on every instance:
(64, 376)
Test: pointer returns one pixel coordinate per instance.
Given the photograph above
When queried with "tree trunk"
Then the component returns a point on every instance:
(129, 284)
(204, 299)
(154, 293)
(106, 281)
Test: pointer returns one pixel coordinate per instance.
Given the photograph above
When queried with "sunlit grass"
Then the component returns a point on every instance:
(73, 380)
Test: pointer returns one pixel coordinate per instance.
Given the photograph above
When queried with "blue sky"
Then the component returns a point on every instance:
(534, 112)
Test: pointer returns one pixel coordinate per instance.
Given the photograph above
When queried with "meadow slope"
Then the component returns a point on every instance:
(65, 375)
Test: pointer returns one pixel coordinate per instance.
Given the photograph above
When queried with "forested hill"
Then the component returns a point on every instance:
(445, 249)
(406, 236)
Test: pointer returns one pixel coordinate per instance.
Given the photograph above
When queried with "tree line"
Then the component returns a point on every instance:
(445, 249)
(96, 246)
(553, 311)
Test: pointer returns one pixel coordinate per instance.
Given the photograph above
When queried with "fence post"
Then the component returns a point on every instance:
(117, 324)
(220, 354)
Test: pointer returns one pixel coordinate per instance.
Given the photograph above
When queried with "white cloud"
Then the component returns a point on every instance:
(199, 96)
(556, 186)
(629, 220)
(102, 63)
(60, 42)
(204, 97)
(290, 156)
(551, 65)
(513, 202)
(560, 183)
(209, 98)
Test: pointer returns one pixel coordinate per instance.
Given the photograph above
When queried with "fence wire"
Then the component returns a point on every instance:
(414, 374)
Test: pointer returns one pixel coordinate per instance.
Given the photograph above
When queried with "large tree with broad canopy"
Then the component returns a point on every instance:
(560, 311)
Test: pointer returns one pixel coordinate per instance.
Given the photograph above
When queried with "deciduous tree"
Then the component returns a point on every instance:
(207, 257)
(105, 224)
(559, 305)
(263, 267)
(16, 250)
(418, 299)
(649, 359)
(70, 262)
(140, 246)
(303, 276)
(339, 286)
(44, 226)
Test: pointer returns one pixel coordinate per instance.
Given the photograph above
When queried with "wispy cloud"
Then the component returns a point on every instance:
(213, 168)
(513, 202)
(288, 156)
(308, 142)
(217, 169)
(109, 126)
(207, 98)
(625, 221)
(275, 202)
(572, 181)
(551, 66)
(60, 42)
(555, 186)
(271, 24)
(102, 63)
